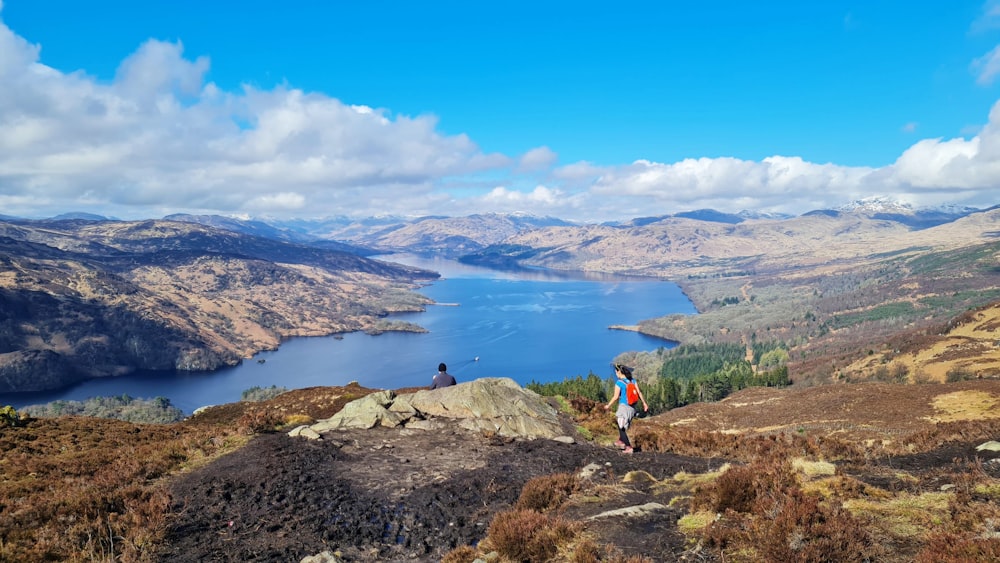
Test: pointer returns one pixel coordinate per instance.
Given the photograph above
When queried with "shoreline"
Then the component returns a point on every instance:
(638, 329)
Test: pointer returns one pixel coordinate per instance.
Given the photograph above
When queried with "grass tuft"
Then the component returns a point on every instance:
(547, 492)
(527, 535)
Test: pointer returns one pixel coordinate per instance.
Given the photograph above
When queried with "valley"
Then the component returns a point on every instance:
(825, 284)
(882, 441)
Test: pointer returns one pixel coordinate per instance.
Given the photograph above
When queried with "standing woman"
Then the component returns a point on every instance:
(626, 411)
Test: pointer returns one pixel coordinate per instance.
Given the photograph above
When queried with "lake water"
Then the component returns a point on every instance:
(527, 325)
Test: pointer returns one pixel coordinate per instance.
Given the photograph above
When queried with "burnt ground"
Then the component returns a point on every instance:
(396, 495)
(413, 495)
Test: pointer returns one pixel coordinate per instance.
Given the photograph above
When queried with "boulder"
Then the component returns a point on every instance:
(305, 432)
(494, 405)
(367, 412)
(325, 557)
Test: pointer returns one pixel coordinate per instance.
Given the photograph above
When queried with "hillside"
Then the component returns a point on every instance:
(831, 288)
(968, 346)
(825, 283)
(892, 472)
(453, 236)
(88, 299)
(680, 247)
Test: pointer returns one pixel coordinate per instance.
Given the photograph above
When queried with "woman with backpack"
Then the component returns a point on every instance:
(628, 395)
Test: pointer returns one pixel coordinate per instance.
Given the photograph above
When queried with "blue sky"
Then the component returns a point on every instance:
(582, 110)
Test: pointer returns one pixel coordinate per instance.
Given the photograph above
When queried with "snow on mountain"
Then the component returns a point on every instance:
(886, 208)
(878, 204)
(884, 204)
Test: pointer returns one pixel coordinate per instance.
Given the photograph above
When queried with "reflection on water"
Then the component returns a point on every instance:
(455, 269)
(528, 325)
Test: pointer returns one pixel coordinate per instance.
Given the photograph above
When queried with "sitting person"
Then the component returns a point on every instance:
(443, 378)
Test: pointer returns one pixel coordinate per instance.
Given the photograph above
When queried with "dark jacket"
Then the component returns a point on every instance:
(442, 379)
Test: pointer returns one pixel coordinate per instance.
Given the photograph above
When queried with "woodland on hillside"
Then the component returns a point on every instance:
(826, 320)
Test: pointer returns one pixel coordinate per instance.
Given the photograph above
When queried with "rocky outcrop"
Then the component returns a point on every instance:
(493, 405)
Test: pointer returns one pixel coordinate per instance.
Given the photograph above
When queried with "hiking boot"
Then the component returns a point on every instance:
(627, 450)
(620, 444)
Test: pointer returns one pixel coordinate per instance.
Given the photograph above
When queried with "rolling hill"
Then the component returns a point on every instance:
(83, 298)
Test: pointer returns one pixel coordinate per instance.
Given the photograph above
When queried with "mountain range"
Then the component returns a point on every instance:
(458, 236)
(203, 291)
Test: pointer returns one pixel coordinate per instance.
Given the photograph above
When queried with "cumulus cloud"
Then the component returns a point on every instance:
(503, 197)
(541, 158)
(776, 182)
(542, 200)
(161, 138)
(930, 172)
(159, 71)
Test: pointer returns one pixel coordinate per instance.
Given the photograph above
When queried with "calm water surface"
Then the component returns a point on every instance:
(527, 325)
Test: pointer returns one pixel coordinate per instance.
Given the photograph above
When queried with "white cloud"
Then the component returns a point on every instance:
(159, 72)
(987, 67)
(540, 158)
(578, 172)
(910, 127)
(268, 203)
(160, 138)
(937, 163)
(930, 172)
(541, 200)
(501, 196)
(695, 180)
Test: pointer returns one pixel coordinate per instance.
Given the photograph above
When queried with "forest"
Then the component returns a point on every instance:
(687, 374)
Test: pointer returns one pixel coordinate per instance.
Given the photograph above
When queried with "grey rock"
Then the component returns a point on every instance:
(325, 557)
(992, 446)
(589, 470)
(491, 405)
(305, 431)
(631, 511)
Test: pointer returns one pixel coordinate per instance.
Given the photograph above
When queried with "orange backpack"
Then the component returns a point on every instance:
(631, 392)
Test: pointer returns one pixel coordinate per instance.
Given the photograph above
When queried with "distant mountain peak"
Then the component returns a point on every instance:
(750, 214)
(878, 204)
(887, 208)
(79, 215)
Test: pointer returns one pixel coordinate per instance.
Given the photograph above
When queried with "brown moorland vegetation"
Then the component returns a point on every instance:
(75, 488)
(874, 471)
